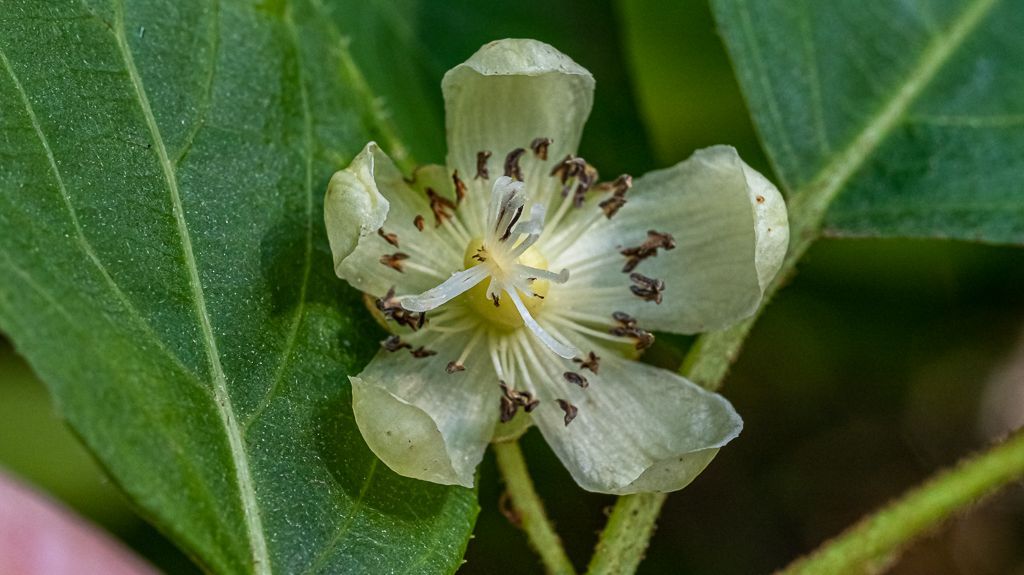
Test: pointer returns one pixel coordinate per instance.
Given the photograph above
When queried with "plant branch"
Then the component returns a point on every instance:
(625, 538)
(529, 511)
(877, 540)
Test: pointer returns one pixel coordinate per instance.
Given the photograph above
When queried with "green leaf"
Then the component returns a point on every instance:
(911, 112)
(164, 268)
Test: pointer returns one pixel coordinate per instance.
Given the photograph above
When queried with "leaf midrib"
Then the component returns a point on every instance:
(222, 398)
(813, 198)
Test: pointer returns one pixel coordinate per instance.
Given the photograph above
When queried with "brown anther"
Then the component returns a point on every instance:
(392, 309)
(642, 339)
(592, 362)
(576, 379)
(536, 295)
(389, 238)
(512, 168)
(480, 255)
(460, 188)
(454, 366)
(585, 179)
(624, 318)
(418, 222)
(442, 207)
(540, 147)
(394, 343)
(568, 168)
(394, 261)
(512, 400)
(496, 300)
(421, 352)
(646, 288)
(612, 205)
(647, 249)
(481, 165)
(760, 199)
(618, 187)
(569, 409)
(508, 409)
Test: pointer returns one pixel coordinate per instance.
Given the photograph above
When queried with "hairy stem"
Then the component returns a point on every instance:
(529, 511)
(872, 544)
(625, 538)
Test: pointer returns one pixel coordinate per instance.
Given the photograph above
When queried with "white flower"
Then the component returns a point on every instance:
(516, 280)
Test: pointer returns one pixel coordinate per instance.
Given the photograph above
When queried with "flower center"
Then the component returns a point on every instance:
(504, 315)
(501, 267)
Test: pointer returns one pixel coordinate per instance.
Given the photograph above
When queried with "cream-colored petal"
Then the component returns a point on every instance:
(637, 428)
(505, 96)
(730, 232)
(422, 421)
(370, 198)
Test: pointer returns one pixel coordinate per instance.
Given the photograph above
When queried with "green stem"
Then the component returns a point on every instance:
(625, 538)
(873, 543)
(529, 509)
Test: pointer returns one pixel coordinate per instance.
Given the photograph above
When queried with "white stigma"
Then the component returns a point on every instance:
(507, 237)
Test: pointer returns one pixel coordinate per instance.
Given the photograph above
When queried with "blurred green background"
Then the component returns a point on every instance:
(884, 361)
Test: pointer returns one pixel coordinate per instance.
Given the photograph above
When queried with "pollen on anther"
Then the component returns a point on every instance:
(592, 362)
(460, 188)
(576, 379)
(421, 352)
(540, 147)
(391, 238)
(512, 168)
(569, 409)
(394, 343)
(481, 165)
(394, 261)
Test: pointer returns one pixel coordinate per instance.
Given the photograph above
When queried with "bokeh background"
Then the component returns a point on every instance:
(883, 361)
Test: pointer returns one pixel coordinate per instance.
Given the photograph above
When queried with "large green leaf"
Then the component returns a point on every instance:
(912, 111)
(163, 266)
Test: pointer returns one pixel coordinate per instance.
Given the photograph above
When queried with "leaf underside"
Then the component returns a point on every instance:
(911, 111)
(164, 268)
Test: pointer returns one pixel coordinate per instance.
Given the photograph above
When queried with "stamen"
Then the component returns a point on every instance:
(460, 188)
(646, 288)
(619, 187)
(512, 400)
(394, 261)
(394, 343)
(389, 238)
(418, 222)
(481, 165)
(442, 207)
(512, 169)
(460, 363)
(627, 328)
(569, 409)
(576, 379)
(540, 147)
(592, 362)
(421, 352)
(585, 179)
(647, 249)
(391, 309)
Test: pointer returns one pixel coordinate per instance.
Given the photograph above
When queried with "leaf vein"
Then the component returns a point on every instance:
(243, 477)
